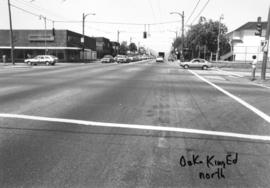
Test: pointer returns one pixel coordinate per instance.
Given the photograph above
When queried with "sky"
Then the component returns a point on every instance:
(130, 17)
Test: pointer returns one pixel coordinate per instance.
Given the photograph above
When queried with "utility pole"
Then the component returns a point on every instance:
(11, 35)
(118, 33)
(45, 22)
(82, 40)
(45, 32)
(218, 38)
(83, 37)
(183, 29)
(265, 53)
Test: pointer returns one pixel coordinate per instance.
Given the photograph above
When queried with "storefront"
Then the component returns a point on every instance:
(64, 44)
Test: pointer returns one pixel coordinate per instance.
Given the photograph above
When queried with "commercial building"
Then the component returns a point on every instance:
(64, 44)
(103, 47)
(245, 44)
(115, 47)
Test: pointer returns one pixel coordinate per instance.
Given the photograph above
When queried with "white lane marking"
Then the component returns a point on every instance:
(141, 127)
(241, 101)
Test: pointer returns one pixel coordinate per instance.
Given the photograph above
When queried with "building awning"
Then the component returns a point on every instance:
(41, 48)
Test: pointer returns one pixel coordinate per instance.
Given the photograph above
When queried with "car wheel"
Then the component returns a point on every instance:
(186, 66)
(29, 63)
(47, 63)
(205, 67)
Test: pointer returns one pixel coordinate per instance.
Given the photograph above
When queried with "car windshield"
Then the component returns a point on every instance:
(134, 93)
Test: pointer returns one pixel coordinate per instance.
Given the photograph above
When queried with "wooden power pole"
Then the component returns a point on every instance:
(265, 53)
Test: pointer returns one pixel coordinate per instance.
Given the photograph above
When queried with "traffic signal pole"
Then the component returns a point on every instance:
(183, 30)
(265, 53)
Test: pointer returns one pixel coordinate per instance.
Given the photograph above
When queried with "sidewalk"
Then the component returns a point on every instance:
(17, 65)
(24, 65)
(246, 74)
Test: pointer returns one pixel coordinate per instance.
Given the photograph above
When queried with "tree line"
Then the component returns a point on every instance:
(201, 40)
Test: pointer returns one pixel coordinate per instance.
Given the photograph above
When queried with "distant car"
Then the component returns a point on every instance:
(107, 59)
(160, 59)
(42, 59)
(196, 63)
(121, 59)
(131, 58)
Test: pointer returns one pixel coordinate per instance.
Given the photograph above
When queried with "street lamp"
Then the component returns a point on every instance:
(83, 22)
(183, 19)
(218, 38)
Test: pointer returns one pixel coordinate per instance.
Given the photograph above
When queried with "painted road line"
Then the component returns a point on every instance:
(239, 100)
(141, 127)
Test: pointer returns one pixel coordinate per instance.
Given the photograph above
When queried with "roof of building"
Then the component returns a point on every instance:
(115, 43)
(101, 39)
(251, 26)
(41, 30)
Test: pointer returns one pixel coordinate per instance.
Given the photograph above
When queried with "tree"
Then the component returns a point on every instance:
(201, 39)
(141, 50)
(132, 47)
(123, 48)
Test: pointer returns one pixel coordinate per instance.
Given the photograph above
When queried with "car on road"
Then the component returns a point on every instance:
(42, 59)
(196, 63)
(122, 59)
(160, 59)
(107, 59)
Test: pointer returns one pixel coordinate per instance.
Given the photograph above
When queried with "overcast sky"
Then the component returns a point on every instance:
(144, 12)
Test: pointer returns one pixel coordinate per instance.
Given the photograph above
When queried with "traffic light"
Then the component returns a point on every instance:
(144, 34)
(259, 27)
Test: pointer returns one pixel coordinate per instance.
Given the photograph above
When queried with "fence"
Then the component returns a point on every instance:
(245, 53)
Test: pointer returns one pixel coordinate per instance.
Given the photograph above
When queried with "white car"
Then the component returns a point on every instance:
(122, 59)
(196, 63)
(160, 59)
(107, 59)
(42, 59)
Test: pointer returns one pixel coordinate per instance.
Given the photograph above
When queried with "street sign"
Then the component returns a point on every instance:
(265, 45)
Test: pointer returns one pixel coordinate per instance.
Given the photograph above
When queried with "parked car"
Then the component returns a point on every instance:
(160, 59)
(107, 59)
(121, 59)
(42, 59)
(196, 63)
(131, 58)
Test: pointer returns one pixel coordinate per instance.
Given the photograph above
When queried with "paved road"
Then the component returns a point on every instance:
(37, 153)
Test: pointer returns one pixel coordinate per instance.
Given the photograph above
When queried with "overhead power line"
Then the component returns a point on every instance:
(29, 12)
(193, 11)
(118, 23)
(152, 9)
(35, 7)
(97, 22)
(200, 12)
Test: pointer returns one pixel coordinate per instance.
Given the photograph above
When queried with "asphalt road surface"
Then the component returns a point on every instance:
(40, 153)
